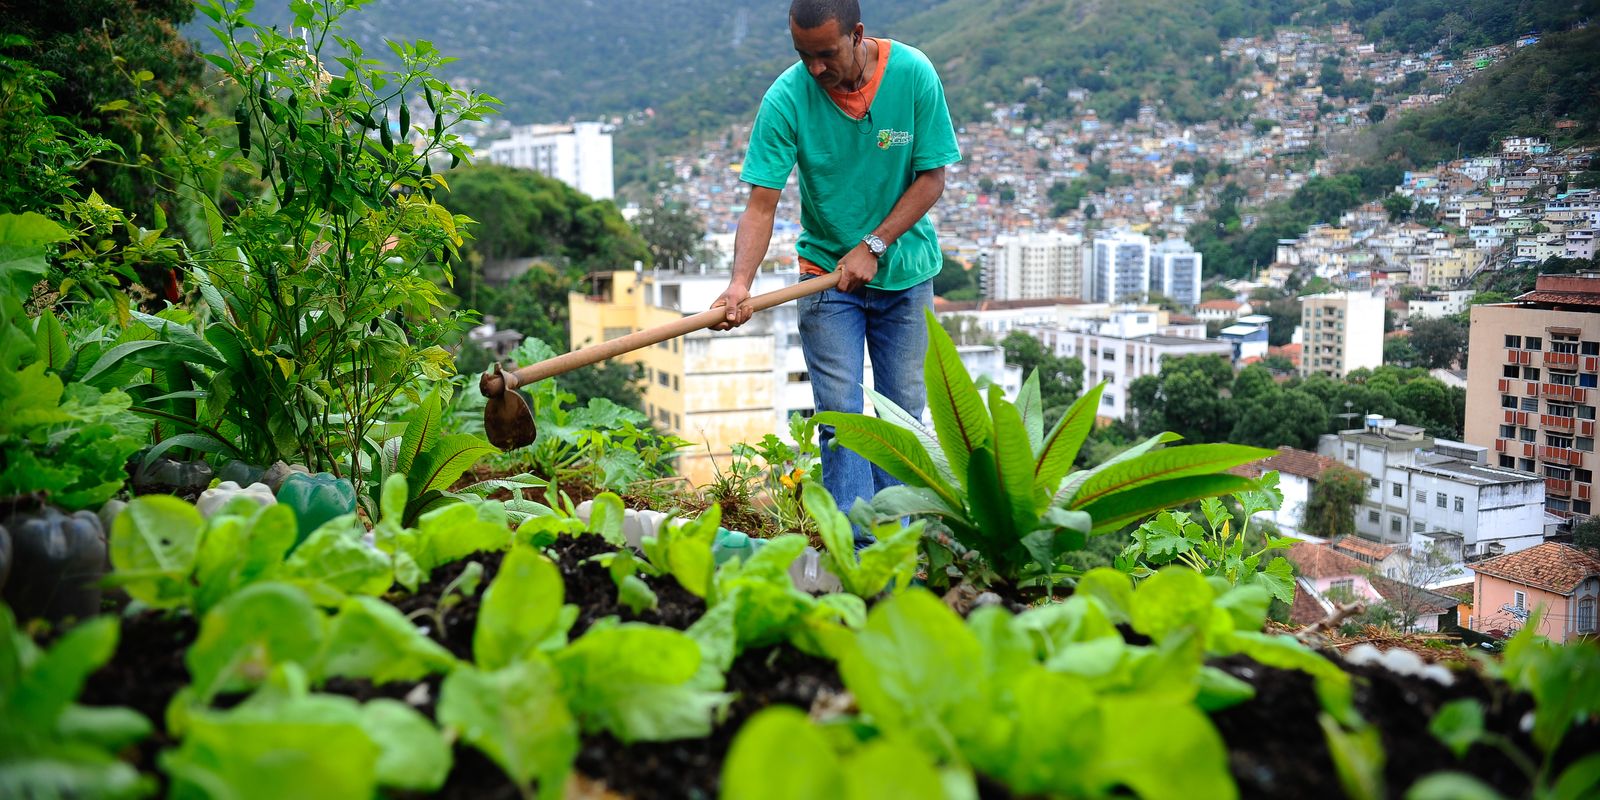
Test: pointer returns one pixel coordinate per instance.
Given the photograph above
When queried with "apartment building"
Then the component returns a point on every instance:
(1122, 347)
(577, 154)
(1175, 271)
(1422, 490)
(1533, 383)
(1341, 332)
(1034, 266)
(1121, 268)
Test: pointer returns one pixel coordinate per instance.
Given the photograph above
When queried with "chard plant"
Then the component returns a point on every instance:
(1004, 486)
(1216, 547)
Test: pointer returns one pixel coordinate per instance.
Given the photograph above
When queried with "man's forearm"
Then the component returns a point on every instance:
(750, 243)
(918, 198)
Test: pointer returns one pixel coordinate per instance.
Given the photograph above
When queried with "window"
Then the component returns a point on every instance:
(1525, 464)
(1438, 499)
(1529, 435)
(1461, 504)
(1519, 599)
(1586, 615)
(1563, 379)
(664, 379)
(1108, 355)
(1566, 346)
(1580, 507)
(1397, 490)
(1416, 526)
(1347, 585)
(1508, 431)
(1514, 341)
(1507, 401)
(1591, 348)
(1588, 380)
(677, 422)
(1558, 410)
(1376, 484)
(1585, 412)
(1530, 373)
(1349, 454)
(1394, 525)
(799, 377)
(1559, 473)
(675, 385)
(1107, 400)
(1563, 442)
(1510, 371)
(1507, 462)
(1583, 476)
(615, 333)
(1530, 404)
(1556, 504)
(1532, 343)
(1372, 517)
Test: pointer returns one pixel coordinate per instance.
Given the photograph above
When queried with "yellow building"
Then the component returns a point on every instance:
(714, 389)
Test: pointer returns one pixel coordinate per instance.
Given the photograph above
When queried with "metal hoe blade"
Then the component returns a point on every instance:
(507, 419)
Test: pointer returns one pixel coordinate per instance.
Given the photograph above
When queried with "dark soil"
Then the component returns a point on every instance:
(693, 768)
(1276, 748)
(143, 674)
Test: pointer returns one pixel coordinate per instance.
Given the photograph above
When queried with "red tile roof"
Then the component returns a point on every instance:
(1551, 566)
(1561, 298)
(1306, 609)
(1314, 560)
(1369, 552)
(1423, 601)
(1221, 305)
(1289, 461)
(1462, 592)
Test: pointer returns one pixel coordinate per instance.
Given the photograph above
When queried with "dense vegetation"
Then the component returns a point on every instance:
(1418, 25)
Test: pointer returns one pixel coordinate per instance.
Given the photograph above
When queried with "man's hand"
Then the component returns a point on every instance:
(857, 268)
(733, 300)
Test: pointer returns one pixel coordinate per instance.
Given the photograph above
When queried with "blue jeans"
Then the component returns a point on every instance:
(836, 328)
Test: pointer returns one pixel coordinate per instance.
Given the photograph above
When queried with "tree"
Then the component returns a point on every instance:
(1399, 207)
(1282, 418)
(1060, 379)
(1376, 112)
(956, 280)
(1405, 591)
(1439, 343)
(674, 234)
(1397, 351)
(1331, 511)
(1185, 398)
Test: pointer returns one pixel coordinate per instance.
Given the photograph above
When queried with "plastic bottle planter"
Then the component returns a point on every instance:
(212, 500)
(5, 557)
(316, 499)
(57, 562)
(241, 473)
(178, 477)
(280, 472)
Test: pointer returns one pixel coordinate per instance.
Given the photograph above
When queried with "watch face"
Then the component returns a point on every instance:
(875, 245)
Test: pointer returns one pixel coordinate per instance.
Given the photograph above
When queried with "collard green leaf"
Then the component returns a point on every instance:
(683, 549)
(249, 633)
(1173, 599)
(456, 531)
(246, 756)
(371, 639)
(959, 418)
(517, 717)
(72, 775)
(154, 542)
(606, 515)
(37, 688)
(1057, 730)
(1458, 786)
(634, 680)
(767, 606)
(334, 561)
(521, 610)
(867, 573)
(238, 550)
(1358, 758)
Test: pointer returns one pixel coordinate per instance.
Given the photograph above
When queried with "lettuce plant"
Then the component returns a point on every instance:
(892, 559)
(1001, 483)
(1216, 548)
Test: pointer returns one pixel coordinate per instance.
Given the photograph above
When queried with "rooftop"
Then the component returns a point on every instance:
(1551, 566)
(942, 305)
(1315, 560)
(1288, 461)
(1469, 472)
(1367, 551)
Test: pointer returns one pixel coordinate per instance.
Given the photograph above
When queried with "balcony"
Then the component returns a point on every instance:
(1571, 394)
(1504, 386)
(1561, 360)
(1557, 486)
(1583, 491)
(1561, 455)
(1553, 421)
(1524, 357)
(1585, 427)
(1532, 389)
(1591, 363)
(1500, 445)
(1515, 417)
(1529, 449)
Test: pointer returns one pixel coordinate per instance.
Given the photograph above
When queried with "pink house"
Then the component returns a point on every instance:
(1328, 570)
(1561, 579)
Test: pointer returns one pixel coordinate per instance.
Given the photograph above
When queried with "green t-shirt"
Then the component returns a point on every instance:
(853, 171)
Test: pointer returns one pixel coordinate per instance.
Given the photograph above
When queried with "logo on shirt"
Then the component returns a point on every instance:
(889, 137)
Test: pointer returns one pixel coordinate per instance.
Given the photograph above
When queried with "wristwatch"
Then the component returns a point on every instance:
(875, 246)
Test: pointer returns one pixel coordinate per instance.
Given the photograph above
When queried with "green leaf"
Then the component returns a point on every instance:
(917, 671)
(456, 531)
(1075, 480)
(102, 375)
(236, 551)
(894, 449)
(412, 753)
(683, 550)
(441, 465)
(1147, 735)
(254, 753)
(521, 610)
(1220, 691)
(868, 572)
(39, 775)
(1057, 730)
(1171, 600)
(422, 432)
(1277, 578)
(1358, 758)
(371, 639)
(1113, 589)
(1578, 780)
(1061, 447)
(780, 755)
(154, 542)
(1459, 724)
(959, 418)
(1030, 405)
(23, 238)
(990, 508)
(1455, 786)
(334, 558)
(50, 342)
(606, 516)
(886, 409)
(1164, 465)
(249, 633)
(767, 605)
(634, 680)
(1014, 462)
(904, 501)
(38, 690)
(518, 718)
(1117, 510)
(109, 728)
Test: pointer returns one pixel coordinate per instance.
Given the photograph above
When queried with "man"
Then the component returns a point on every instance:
(865, 121)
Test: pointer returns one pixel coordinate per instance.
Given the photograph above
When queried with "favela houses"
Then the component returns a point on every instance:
(800, 400)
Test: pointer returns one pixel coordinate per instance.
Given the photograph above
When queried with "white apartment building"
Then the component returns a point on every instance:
(1421, 491)
(1121, 348)
(1175, 271)
(578, 155)
(1438, 304)
(1034, 266)
(1341, 332)
(1121, 268)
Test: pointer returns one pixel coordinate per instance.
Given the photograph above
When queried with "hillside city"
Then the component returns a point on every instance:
(1073, 231)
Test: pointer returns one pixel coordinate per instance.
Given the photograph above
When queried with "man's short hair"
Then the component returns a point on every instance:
(808, 14)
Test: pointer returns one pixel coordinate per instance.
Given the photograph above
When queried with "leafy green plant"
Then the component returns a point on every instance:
(1000, 483)
(430, 459)
(891, 559)
(445, 534)
(1215, 548)
(322, 291)
(49, 745)
(787, 468)
(1566, 691)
